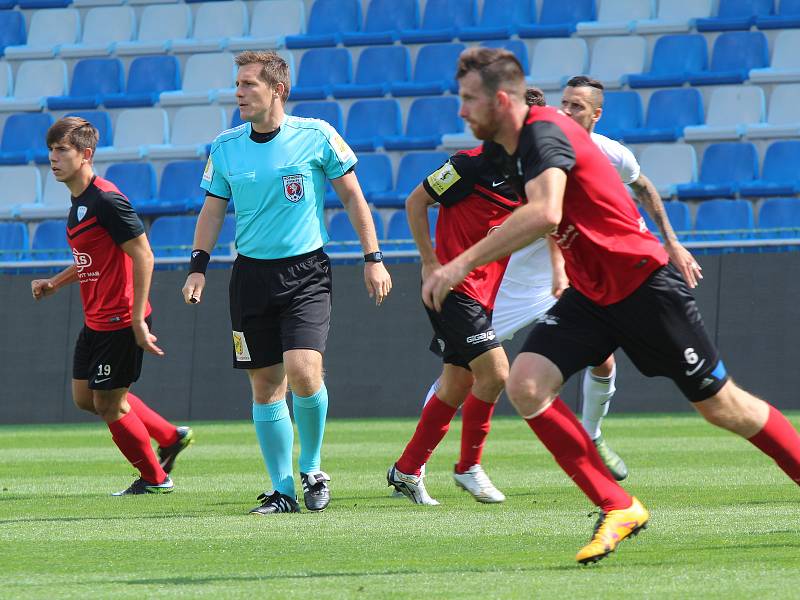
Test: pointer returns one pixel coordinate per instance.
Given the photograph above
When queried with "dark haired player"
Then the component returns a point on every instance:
(113, 264)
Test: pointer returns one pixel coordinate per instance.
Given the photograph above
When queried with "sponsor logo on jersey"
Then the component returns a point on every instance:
(240, 347)
(443, 179)
(566, 238)
(208, 172)
(293, 187)
(82, 260)
(81, 212)
(486, 336)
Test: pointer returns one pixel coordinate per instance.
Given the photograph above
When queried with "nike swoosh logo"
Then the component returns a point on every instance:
(691, 372)
(496, 183)
(102, 380)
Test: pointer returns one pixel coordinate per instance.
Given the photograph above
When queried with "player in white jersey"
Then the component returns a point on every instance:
(535, 278)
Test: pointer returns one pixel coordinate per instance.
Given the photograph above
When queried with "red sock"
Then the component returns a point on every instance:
(567, 440)
(130, 436)
(476, 416)
(432, 427)
(780, 441)
(162, 431)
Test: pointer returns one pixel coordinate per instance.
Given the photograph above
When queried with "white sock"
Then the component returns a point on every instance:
(597, 394)
(434, 388)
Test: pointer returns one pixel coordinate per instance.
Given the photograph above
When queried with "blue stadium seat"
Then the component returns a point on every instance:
(137, 180)
(12, 29)
(148, 76)
(50, 241)
(559, 18)
(735, 15)
(236, 118)
(442, 21)
(622, 111)
(320, 69)
(434, 71)
(24, 139)
(92, 79)
(7, 4)
(101, 121)
(518, 47)
(723, 220)
(735, 53)
(499, 20)
(725, 166)
(385, 19)
(428, 119)
(780, 173)
(329, 19)
(13, 241)
(398, 233)
(369, 122)
(679, 217)
(668, 112)
(327, 111)
(343, 237)
(788, 16)
(674, 57)
(180, 188)
(779, 218)
(173, 235)
(378, 67)
(413, 168)
(29, 4)
(374, 172)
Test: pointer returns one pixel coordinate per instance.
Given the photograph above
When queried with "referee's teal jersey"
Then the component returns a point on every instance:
(278, 187)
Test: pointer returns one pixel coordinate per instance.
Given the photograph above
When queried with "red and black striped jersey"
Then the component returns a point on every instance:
(100, 220)
(608, 251)
(474, 200)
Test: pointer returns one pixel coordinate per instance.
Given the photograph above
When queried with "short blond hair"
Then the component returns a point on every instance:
(274, 69)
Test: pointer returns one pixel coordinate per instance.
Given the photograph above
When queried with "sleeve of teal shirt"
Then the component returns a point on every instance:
(337, 157)
(213, 182)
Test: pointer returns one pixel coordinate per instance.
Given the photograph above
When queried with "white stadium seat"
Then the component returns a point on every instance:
(785, 64)
(55, 201)
(103, 27)
(18, 185)
(667, 165)
(676, 16)
(615, 57)
(214, 24)
(617, 17)
(36, 79)
(556, 60)
(193, 128)
(6, 82)
(783, 119)
(160, 24)
(203, 77)
(730, 109)
(49, 29)
(134, 131)
(272, 21)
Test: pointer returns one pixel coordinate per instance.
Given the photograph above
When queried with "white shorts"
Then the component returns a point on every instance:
(525, 294)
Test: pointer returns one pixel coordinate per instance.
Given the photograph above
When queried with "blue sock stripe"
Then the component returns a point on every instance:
(271, 412)
(311, 401)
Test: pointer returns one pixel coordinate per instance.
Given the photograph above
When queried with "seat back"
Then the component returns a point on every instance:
(370, 118)
(416, 166)
(518, 47)
(141, 127)
(278, 18)
(724, 220)
(729, 161)
(215, 20)
(782, 162)
(559, 57)
(786, 50)
(684, 10)
(192, 125)
(501, 13)
(326, 111)
(615, 56)
(12, 29)
(41, 78)
(173, 235)
(782, 214)
(677, 54)
(437, 62)
(783, 104)
(737, 50)
(675, 108)
(180, 180)
(6, 81)
(162, 22)
(669, 164)
(731, 105)
(50, 241)
(101, 121)
(20, 185)
(374, 172)
(325, 66)
(13, 240)
(621, 110)
(744, 8)
(97, 76)
(341, 230)
(54, 26)
(434, 116)
(149, 74)
(562, 12)
(25, 131)
(107, 24)
(136, 180)
(444, 14)
(334, 16)
(379, 64)
(388, 15)
(55, 194)
(789, 7)
(209, 72)
(624, 10)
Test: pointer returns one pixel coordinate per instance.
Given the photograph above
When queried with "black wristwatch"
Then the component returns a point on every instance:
(374, 257)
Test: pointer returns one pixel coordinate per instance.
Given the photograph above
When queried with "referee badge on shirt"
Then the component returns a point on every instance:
(293, 187)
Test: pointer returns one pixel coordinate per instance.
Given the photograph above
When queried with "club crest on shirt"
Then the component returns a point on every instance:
(293, 187)
(81, 212)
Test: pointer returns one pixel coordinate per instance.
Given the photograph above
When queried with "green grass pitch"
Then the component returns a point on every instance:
(725, 520)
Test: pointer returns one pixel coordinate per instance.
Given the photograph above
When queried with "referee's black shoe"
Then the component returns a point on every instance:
(316, 494)
(167, 456)
(275, 502)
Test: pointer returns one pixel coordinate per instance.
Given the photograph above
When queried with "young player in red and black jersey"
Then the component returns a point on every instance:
(473, 203)
(624, 292)
(113, 264)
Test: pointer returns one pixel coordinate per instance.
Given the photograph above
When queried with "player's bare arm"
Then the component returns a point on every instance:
(560, 279)
(648, 196)
(376, 277)
(417, 205)
(206, 232)
(142, 256)
(47, 287)
(542, 214)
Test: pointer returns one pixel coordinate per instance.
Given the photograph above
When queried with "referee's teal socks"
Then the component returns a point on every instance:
(309, 414)
(276, 437)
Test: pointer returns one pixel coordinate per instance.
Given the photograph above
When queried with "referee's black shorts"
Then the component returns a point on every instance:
(462, 331)
(279, 305)
(658, 326)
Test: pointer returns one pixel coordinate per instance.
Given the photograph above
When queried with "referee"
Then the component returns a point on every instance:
(273, 168)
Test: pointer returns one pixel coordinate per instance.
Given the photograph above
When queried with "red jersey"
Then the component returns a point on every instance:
(473, 202)
(608, 251)
(100, 220)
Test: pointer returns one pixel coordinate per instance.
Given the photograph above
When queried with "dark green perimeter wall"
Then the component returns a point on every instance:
(378, 363)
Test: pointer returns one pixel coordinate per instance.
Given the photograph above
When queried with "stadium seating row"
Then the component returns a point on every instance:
(171, 236)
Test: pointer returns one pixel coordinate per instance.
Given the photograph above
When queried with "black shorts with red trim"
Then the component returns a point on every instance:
(279, 305)
(107, 359)
(658, 326)
(462, 331)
